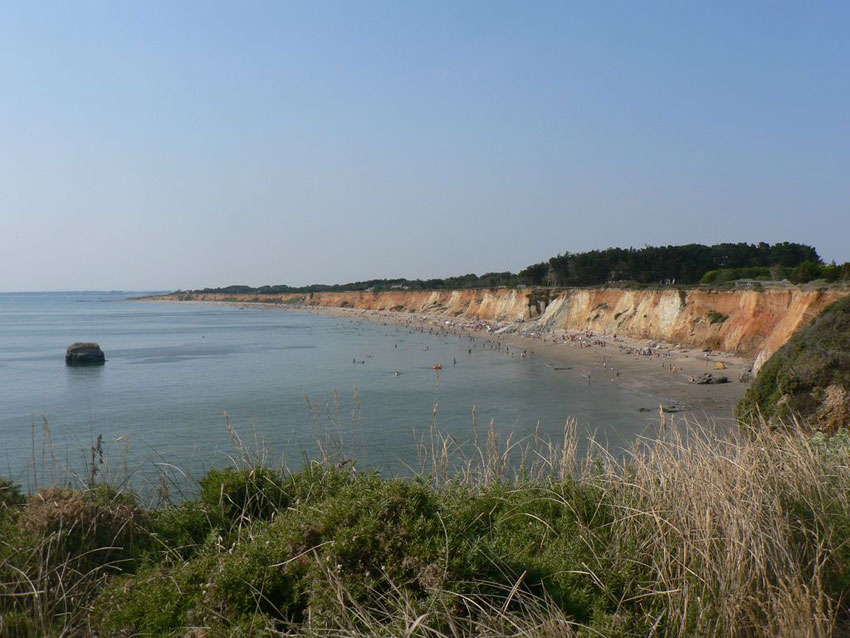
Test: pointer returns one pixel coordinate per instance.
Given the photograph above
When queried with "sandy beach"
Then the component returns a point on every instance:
(664, 371)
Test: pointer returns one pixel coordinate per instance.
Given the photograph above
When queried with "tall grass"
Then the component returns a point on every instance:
(738, 537)
(691, 533)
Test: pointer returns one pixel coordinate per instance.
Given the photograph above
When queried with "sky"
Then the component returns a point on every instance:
(161, 145)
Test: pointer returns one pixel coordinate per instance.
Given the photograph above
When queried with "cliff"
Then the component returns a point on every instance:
(750, 323)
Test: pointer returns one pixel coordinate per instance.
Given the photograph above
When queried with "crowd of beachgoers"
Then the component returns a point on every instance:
(678, 376)
(673, 373)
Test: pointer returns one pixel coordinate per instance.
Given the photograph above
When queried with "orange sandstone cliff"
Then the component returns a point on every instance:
(750, 323)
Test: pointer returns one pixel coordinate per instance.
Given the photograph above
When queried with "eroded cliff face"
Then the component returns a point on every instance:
(750, 323)
(496, 305)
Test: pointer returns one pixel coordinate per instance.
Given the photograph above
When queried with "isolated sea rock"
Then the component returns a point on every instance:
(84, 353)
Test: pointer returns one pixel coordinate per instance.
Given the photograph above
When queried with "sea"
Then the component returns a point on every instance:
(186, 387)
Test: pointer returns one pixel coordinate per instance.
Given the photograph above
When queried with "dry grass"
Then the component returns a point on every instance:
(738, 536)
(703, 535)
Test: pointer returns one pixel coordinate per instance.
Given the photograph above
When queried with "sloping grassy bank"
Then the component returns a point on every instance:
(703, 536)
(808, 379)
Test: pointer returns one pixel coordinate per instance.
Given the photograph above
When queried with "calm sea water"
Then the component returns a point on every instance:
(173, 370)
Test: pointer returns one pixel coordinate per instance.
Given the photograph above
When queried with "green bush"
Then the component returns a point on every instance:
(716, 317)
(807, 271)
(180, 531)
(158, 601)
(256, 493)
(726, 275)
(384, 543)
(10, 494)
(546, 534)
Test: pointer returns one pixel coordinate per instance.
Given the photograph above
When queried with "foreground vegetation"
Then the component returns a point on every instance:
(688, 535)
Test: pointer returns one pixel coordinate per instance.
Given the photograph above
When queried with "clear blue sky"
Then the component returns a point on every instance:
(164, 145)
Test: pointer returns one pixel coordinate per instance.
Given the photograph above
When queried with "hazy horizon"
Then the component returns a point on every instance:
(165, 146)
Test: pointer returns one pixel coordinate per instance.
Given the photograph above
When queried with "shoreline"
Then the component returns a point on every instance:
(661, 370)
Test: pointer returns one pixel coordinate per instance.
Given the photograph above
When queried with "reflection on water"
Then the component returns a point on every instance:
(84, 374)
(285, 380)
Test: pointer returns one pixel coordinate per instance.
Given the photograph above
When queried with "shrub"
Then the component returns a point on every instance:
(685, 535)
(158, 600)
(546, 535)
(180, 531)
(256, 493)
(726, 275)
(807, 271)
(55, 553)
(96, 526)
(10, 494)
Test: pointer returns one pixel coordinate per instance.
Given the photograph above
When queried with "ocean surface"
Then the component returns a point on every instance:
(293, 385)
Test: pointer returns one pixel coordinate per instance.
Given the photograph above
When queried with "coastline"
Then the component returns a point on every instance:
(658, 369)
(664, 374)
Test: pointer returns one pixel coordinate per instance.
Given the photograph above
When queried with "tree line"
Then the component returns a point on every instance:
(689, 264)
(487, 280)
(686, 264)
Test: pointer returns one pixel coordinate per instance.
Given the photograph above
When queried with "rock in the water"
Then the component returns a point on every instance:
(84, 353)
